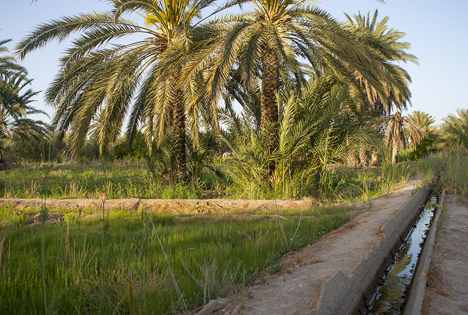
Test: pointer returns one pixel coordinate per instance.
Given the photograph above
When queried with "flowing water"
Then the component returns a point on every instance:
(392, 291)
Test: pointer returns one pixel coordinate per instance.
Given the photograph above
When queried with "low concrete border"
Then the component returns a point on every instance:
(416, 294)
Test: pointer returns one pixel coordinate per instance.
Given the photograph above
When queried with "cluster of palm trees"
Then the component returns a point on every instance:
(310, 88)
(15, 102)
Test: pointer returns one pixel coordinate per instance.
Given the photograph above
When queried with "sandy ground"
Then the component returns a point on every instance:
(297, 288)
(447, 287)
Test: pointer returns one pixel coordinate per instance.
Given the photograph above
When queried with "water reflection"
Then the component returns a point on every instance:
(391, 294)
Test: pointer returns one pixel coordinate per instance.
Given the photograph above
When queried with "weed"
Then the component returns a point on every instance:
(274, 269)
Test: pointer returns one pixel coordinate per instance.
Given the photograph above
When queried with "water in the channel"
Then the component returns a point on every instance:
(391, 294)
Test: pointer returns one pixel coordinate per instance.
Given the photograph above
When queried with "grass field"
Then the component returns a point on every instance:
(87, 264)
(116, 265)
(132, 179)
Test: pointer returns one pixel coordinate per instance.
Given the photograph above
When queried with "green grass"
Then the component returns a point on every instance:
(87, 263)
(121, 179)
(451, 166)
(344, 184)
(132, 179)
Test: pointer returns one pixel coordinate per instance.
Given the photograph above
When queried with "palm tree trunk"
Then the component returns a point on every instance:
(363, 157)
(374, 158)
(351, 160)
(178, 123)
(395, 152)
(270, 86)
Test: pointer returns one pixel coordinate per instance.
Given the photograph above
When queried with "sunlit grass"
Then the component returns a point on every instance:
(131, 179)
(451, 166)
(121, 179)
(89, 261)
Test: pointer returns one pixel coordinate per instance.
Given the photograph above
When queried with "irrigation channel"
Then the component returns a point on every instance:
(392, 291)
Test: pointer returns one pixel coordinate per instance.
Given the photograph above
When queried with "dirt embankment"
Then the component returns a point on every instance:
(172, 206)
(447, 286)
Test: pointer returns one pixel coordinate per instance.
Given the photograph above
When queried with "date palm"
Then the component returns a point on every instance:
(393, 92)
(108, 82)
(423, 120)
(15, 106)
(15, 101)
(455, 128)
(279, 35)
(401, 130)
(386, 43)
(8, 65)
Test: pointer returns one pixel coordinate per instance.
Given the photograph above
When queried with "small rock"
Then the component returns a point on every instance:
(213, 306)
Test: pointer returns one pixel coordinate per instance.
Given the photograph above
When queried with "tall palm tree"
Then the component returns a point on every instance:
(8, 65)
(15, 101)
(96, 79)
(393, 92)
(401, 130)
(14, 109)
(279, 35)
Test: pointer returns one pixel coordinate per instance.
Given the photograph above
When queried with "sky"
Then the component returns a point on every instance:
(437, 32)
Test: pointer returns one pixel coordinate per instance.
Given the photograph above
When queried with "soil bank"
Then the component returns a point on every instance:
(447, 286)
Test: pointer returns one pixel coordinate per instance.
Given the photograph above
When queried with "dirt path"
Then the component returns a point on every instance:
(298, 288)
(447, 287)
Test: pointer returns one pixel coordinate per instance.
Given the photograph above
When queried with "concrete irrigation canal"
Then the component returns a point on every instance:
(343, 272)
(392, 292)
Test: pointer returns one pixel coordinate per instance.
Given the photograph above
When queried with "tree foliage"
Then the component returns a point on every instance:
(15, 102)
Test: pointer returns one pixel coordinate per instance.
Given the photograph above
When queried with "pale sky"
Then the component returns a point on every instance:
(437, 32)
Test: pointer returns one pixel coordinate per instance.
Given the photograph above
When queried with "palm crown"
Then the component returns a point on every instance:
(109, 82)
(280, 35)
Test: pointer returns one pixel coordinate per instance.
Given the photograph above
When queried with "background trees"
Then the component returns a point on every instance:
(15, 103)
(455, 128)
(401, 131)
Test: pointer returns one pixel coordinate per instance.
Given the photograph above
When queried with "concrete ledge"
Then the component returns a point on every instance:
(333, 289)
(416, 295)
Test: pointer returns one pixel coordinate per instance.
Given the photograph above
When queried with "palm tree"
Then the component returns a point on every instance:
(96, 81)
(422, 120)
(401, 130)
(455, 128)
(14, 109)
(312, 132)
(275, 37)
(8, 65)
(15, 102)
(387, 45)
(394, 89)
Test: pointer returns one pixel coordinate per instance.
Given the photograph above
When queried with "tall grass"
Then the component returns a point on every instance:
(132, 179)
(116, 264)
(121, 179)
(337, 184)
(452, 166)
